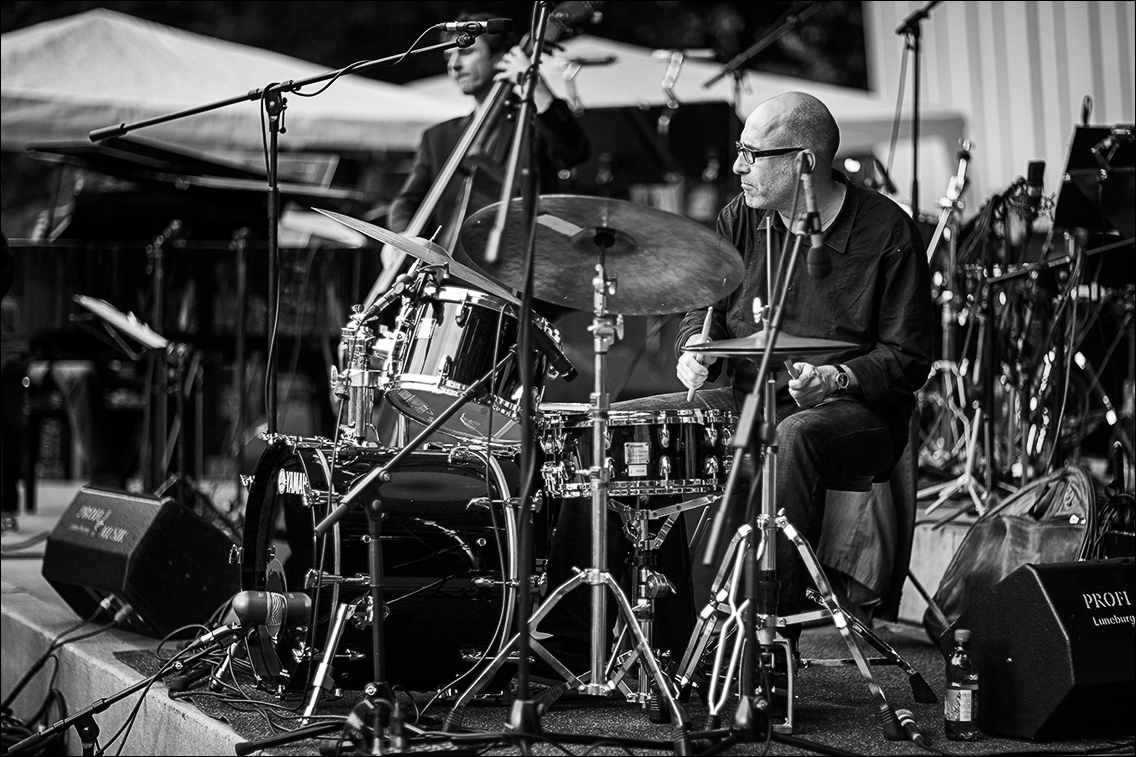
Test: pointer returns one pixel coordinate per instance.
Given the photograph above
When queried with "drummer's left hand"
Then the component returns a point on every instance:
(511, 67)
(813, 384)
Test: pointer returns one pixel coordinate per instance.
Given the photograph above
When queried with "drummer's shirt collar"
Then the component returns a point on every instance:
(839, 232)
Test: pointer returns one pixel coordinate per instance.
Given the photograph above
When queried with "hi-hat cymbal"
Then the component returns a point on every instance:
(663, 262)
(428, 252)
(754, 346)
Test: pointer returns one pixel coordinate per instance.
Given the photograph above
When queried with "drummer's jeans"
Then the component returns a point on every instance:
(831, 442)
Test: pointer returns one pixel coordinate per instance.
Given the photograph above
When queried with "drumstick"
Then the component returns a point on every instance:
(792, 369)
(705, 333)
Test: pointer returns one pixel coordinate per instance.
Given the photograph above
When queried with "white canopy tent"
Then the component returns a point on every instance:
(637, 77)
(61, 79)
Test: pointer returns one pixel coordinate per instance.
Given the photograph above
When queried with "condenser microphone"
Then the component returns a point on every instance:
(819, 260)
(492, 26)
(271, 609)
(1035, 175)
(907, 720)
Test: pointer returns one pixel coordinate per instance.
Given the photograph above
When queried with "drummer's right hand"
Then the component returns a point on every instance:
(691, 369)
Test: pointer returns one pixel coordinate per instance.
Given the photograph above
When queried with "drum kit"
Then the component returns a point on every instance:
(450, 515)
(443, 531)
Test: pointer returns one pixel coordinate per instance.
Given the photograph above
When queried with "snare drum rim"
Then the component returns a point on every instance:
(696, 416)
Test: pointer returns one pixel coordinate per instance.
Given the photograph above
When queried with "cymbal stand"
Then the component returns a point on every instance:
(946, 439)
(595, 682)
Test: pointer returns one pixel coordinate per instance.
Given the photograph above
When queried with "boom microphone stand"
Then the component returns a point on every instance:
(275, 104)
(912, 32)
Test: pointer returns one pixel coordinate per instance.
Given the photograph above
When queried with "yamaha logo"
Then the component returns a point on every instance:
(291, 482)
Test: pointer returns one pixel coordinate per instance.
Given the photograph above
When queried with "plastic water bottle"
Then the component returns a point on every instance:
(960, 711)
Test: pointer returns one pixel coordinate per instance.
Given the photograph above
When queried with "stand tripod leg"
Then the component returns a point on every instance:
(888, 720)
(920, 691)
(454, 718)
(678, 716)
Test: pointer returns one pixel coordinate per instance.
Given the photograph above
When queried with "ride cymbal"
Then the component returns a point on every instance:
(662, 262)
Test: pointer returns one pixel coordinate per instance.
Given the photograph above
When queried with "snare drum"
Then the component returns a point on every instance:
(449, 341)
(443, 544)
(648, 453)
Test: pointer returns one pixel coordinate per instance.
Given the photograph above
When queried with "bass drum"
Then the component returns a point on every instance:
(445, 551)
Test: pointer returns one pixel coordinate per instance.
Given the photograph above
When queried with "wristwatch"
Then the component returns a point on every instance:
(842, 379)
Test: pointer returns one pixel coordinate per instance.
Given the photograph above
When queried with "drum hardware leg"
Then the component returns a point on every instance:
(920, 691)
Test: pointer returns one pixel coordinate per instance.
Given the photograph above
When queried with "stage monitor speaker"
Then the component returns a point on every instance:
(171, 566)
(1054, 645)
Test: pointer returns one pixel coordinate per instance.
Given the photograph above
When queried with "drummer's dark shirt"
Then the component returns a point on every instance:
(878, 296)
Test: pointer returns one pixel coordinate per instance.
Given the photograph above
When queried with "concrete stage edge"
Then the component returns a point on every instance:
(31, 615)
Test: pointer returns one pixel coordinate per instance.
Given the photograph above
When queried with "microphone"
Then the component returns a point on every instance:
(384, 301)
(271, 609)
(547, 345)
(907, 720)
(1034, 186)
(819, 260)
(492, 26)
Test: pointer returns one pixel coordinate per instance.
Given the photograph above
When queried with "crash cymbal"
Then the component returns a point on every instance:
(663, 262)
(754, 346)
(428, 252)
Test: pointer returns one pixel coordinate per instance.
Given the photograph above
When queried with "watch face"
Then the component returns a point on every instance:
(841, 380)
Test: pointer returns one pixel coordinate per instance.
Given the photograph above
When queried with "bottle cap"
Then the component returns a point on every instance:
(962, 634)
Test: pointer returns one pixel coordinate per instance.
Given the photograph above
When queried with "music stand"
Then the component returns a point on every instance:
(1097, 192)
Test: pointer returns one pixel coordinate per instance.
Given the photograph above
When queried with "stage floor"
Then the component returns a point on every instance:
(833, 706)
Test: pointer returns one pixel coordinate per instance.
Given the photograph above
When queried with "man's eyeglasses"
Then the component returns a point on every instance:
(751, 156)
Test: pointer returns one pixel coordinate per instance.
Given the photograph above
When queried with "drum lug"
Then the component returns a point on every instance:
(710, 434)
(711, 467)
(463, 312)
(555, 476)
(665, 467)
(664, 437)
(447, 366)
